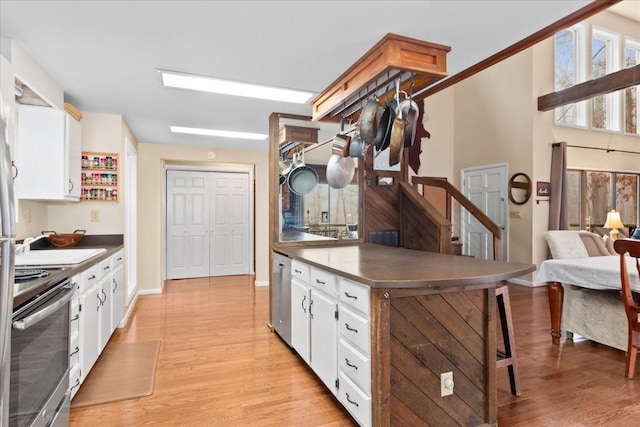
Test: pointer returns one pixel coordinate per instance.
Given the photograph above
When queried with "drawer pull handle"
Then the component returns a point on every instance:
(346, 325)
(93, 276)
(77, 350)
(349, 364)
(304, 309)
(351, 401)
(76, 317)
(297, 271)
(76, 384)
(348, 295)
(310, 307)
(320, 282)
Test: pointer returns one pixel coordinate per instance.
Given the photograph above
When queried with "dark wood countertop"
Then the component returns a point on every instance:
(397, 268)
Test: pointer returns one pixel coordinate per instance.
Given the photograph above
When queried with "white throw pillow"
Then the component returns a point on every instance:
(565, 244)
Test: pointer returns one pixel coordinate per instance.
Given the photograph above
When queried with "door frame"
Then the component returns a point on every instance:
(504, 241)
(232, 168)
(131, 219)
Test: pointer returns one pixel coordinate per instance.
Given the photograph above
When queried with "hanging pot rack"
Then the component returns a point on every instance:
(393, 59)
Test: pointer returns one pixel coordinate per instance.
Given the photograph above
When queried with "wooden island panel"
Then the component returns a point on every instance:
(430, 313)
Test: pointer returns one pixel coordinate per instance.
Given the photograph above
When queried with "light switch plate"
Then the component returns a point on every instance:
(446, 384)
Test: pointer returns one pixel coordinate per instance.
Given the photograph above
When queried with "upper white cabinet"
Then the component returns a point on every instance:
(49, 161)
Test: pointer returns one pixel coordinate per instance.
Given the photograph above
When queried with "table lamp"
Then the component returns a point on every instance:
(613, 222)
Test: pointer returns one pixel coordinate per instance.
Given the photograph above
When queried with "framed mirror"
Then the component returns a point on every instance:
(304, 207)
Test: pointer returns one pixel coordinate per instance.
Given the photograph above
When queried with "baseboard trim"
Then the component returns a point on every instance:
(261, 283)
(527, 283)
(150, 291)
(129, 312)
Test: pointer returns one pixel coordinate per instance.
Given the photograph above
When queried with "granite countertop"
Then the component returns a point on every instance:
(390, 267)
(22, 292)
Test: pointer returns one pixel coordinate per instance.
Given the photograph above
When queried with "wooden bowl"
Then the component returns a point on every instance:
(65, 240)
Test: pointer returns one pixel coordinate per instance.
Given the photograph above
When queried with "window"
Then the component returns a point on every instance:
(591, 194)
(569, 70)
(605, 109)
(577, 58)
(631, 59)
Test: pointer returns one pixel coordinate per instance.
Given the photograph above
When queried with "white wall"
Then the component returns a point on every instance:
(151, 161)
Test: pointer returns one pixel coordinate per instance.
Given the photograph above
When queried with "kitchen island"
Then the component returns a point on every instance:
(427, 314)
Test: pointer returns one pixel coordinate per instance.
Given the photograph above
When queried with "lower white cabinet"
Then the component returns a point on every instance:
(313, 321)
(300, 328)
(330, 330)
(74, 336)
(90, 302)
(323, 338)
(100, 309)
(117, 293)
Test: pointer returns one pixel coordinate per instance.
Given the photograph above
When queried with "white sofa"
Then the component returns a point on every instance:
(594, 314)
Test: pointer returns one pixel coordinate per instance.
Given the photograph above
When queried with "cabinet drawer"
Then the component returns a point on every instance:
(74, 316)
(89, 278)
(300, 271)
(355, 365)
(355, 295)
(74, 350)
(354, 328)
(74, 379)
(355, 400)
(324, 281)
(104, 268)
(117, 259)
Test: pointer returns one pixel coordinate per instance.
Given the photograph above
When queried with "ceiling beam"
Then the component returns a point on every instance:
(579, 15)
(606, 84)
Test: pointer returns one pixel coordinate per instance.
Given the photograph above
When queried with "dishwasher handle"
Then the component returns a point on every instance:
(59, 301)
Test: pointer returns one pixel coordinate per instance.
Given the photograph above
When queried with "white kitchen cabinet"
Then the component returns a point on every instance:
(300, 330)
(313, 320)
(354, 350)
(117, 293)
(101, 307)
(323, 338)
(74, 336)
(90, 302)
(49, 154)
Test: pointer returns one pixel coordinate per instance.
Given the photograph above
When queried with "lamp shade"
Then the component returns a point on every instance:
(613, 220)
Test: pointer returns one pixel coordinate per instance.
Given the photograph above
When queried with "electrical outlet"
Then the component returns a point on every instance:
(95, 216)
(515, 214)
(446, 384)
(27, 215)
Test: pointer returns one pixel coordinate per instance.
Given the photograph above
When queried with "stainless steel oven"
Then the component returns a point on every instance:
(39, 380)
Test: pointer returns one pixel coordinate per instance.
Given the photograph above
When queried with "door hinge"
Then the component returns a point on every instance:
(338, 383)
(79, 307)
(336, 314)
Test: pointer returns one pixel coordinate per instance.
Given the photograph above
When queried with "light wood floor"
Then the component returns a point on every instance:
(220, 366)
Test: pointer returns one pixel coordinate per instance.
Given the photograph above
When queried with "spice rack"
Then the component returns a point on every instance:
(99, 180)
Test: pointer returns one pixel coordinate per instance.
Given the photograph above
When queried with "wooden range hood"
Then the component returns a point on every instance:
(394, 57)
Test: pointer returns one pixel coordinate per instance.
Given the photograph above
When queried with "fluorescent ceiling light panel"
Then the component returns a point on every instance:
(228, 87)
(215, 132)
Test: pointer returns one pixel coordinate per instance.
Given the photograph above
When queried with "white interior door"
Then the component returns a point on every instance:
(486, 187)
(187, 224)
(208, 224)
(229, 224)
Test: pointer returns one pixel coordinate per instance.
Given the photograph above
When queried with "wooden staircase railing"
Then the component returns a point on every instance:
(451, 191)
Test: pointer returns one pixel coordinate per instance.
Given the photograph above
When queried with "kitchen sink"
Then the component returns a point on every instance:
(57, 256)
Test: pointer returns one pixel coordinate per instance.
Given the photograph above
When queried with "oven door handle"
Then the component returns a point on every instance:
(48, 310)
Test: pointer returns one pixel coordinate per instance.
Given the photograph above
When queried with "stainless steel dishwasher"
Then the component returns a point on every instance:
(281, 296)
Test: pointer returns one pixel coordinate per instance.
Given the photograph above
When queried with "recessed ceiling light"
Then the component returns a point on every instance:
(216, 132)
(229, 87)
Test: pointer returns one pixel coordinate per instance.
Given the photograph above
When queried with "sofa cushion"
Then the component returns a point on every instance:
(608, 242)
(594, 244)
(565, 244)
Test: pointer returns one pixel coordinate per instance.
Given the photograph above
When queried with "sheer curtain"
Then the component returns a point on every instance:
(558, 206)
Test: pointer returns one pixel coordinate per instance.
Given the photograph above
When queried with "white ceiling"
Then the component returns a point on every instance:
(104, 53)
